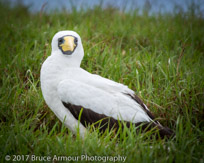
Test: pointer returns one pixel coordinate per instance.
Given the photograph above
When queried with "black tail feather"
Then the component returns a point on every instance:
(158, 129)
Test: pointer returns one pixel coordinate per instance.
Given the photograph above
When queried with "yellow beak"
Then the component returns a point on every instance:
(69, 44)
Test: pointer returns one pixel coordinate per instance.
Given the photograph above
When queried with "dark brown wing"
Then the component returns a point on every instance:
(89, 117)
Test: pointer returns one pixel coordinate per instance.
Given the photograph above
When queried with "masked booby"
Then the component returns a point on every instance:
(67, 89)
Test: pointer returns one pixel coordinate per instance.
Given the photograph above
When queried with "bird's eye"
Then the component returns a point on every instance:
(76, 40)
(60, 40)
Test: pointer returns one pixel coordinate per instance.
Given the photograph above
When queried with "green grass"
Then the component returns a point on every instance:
(160, 57)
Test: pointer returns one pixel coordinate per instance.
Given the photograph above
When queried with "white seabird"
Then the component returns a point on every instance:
(67, 89)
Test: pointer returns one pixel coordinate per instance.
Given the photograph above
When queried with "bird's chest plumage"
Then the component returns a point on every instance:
(50, 77)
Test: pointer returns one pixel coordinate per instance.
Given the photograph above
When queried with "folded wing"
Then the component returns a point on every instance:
(99, 103)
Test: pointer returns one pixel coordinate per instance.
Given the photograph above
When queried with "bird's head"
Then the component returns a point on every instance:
(68, 44)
